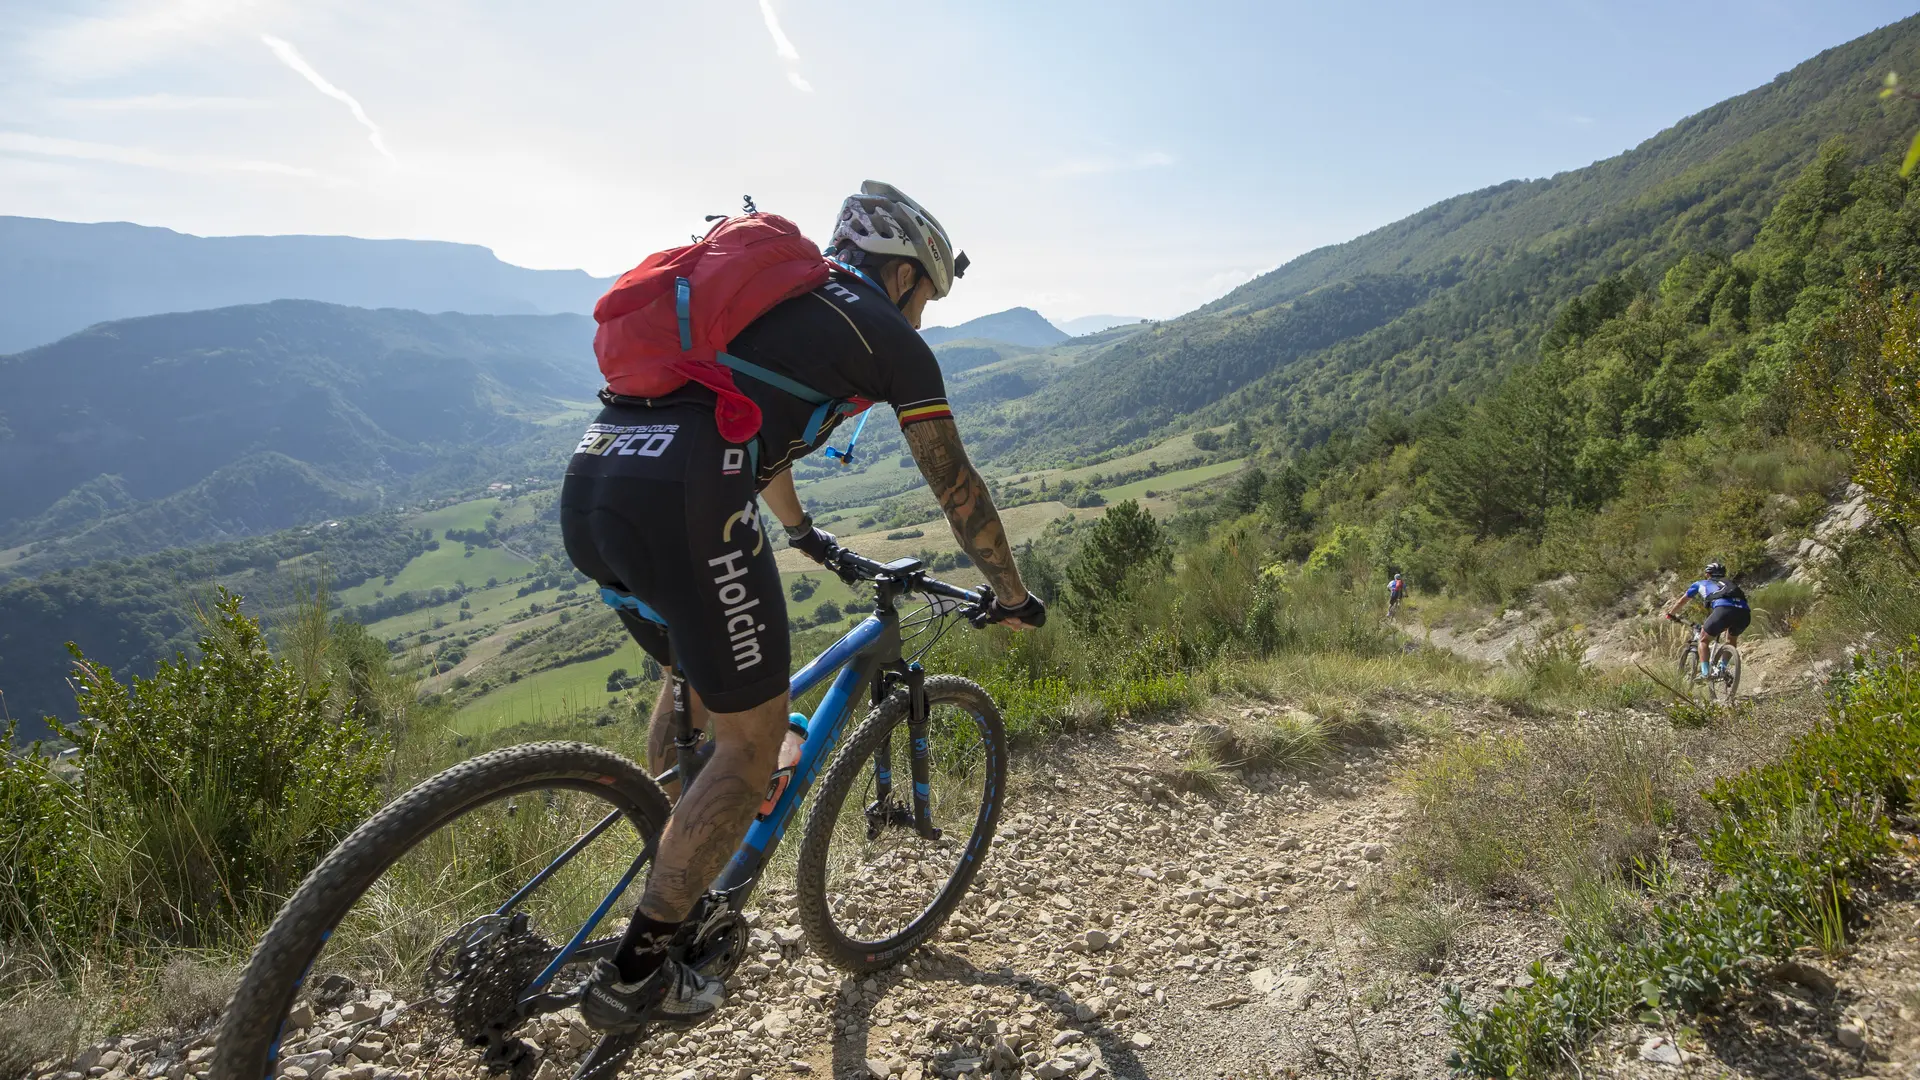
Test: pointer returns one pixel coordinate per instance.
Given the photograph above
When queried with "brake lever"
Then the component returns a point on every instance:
(840, 570)
(981, 617)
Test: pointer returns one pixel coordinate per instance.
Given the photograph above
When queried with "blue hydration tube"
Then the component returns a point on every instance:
(845, 457)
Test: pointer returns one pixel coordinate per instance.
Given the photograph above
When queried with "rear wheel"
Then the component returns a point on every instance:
(1727, 685)
(870, 885)
(397, 939)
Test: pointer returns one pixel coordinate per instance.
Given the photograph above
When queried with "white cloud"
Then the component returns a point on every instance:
(15, 142)
(292, 58)
(783, 47)
(1152, 159)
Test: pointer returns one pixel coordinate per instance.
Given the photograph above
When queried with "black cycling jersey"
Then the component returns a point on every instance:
(845, 340)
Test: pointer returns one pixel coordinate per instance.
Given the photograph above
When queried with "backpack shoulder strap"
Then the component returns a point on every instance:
(773, 378)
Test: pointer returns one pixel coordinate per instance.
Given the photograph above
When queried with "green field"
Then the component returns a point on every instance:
(549, 695)
(451, 564)
(471, 514)
(487, 605)
(1172, 481)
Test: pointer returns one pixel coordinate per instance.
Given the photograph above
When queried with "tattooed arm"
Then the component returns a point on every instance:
(963, 496)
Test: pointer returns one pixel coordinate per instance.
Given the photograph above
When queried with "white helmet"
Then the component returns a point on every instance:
(882, 220)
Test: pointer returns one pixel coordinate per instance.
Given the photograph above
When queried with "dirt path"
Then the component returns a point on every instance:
(1122, 928)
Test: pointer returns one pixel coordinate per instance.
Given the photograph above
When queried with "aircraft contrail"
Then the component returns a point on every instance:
(783, 46)
(291, 57)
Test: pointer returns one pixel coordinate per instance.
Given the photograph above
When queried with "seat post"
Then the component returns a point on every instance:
(685, 738)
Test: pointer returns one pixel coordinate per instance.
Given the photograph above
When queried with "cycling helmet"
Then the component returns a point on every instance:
(1716, 570)
(882, 220)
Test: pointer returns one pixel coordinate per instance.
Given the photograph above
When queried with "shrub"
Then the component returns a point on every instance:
(205, 793)
(1781, 605)
(192, 992)
(34, 1029)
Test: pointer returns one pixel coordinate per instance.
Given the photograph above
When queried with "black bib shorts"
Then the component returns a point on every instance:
(1727, 619)
(657, 505)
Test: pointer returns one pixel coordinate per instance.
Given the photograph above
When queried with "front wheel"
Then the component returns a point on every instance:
(871, 884)
(403, 948)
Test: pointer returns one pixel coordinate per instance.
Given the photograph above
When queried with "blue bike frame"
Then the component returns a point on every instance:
(856, 657)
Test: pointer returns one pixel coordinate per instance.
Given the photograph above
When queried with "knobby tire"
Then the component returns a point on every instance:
(250, 1028)
(854, 760)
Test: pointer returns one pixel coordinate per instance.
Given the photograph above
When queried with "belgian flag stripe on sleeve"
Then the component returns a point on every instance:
(930, 409)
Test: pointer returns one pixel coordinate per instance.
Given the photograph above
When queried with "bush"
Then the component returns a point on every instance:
(1782, 605)
(205, 794)
(34, 1029)
(192, 992)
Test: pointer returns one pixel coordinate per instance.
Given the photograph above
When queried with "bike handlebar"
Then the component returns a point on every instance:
(851, 567)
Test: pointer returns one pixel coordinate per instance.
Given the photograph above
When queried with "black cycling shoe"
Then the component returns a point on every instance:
(675, 995)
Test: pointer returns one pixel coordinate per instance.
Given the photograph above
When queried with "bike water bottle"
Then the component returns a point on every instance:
(789, 761)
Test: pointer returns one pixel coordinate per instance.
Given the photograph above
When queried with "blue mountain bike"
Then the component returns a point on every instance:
(477, 895)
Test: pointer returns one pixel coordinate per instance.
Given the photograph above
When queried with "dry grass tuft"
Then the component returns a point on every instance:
(192, 992)
(34, 1029)
(1422, 934)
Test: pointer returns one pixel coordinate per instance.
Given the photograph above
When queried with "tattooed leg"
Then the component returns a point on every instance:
(713, 815)
(964, 498)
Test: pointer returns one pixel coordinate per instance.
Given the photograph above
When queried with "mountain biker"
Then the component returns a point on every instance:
(672, 520)
(1396, 591)
(1727, 611)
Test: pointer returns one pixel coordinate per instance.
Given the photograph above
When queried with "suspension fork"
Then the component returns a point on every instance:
(921, 754)
(883, 812)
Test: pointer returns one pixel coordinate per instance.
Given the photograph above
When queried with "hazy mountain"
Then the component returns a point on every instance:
(1093, 324)
(291, 409)
(57, 277)
(1014, 326)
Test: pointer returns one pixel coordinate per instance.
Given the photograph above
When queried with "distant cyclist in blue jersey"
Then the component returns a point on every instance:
(1727, 610)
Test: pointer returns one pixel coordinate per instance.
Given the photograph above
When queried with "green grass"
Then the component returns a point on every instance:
(1172, 481)
(471, 514)
(495, 605)
(443, 569)
(548, 695)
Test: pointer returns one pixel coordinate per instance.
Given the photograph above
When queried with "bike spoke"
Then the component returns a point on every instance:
(881, 872)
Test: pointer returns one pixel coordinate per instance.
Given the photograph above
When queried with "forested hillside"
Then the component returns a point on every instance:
(1440, 302)
(129, 613)
(260, 417)
(60, 277)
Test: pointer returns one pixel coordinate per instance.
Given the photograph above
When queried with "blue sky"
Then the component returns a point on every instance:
(1136, 158)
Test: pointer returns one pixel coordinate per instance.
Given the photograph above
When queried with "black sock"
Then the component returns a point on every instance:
(643, 948)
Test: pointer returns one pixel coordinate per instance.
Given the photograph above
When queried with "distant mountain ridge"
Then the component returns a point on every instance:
(1093, 324)
(263, 416)
(1014, 326)
(59, 277)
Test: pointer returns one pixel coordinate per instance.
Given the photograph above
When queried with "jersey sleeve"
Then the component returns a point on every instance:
(918, 391)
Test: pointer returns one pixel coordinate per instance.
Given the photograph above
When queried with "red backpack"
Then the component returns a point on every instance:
(665, 322)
